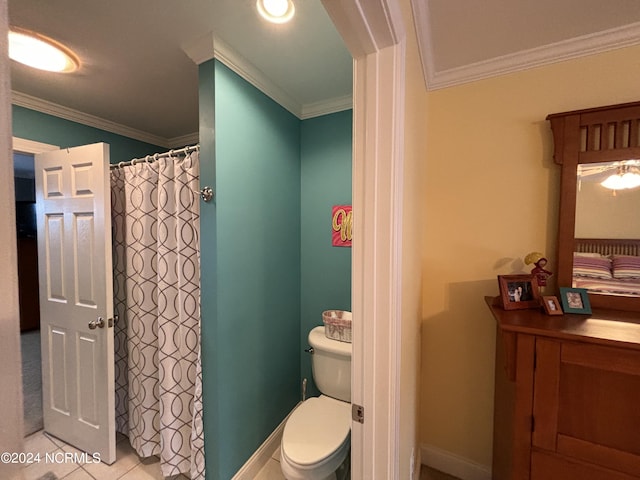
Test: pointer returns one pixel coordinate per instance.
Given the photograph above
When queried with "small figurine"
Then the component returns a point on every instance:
(539, 271)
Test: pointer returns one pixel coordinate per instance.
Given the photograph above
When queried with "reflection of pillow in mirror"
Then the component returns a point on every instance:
(590, 254)
(626, 266)
(590, 266)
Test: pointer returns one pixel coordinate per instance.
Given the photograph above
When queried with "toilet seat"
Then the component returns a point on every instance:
(316, 437)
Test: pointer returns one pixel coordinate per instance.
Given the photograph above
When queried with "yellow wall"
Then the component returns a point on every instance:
(489, 192)
(414, 153)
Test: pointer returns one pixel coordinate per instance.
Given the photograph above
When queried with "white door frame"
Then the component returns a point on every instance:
(11, 424)
(29, 146)
(374, 33)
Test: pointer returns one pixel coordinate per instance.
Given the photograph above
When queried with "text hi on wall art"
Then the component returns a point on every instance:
(341, 226)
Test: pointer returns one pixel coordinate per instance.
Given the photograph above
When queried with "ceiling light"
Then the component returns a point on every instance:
(40, 52)
(276, 11)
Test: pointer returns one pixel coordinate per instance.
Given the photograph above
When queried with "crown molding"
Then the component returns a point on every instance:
(594, 43)
(318, 109)
(210, 46)
(421, 22)
(183, 140)
(199, 51)
(50, 108)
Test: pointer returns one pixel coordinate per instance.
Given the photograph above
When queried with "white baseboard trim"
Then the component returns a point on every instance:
(259, 459)
(453, 464)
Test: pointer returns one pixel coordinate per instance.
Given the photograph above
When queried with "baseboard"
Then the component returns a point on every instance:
(417, 466)
(259, 459)
(453, 464)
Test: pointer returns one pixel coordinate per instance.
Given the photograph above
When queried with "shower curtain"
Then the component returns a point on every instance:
(155, 218)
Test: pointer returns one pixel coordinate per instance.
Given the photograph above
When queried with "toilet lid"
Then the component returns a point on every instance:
(316, 429)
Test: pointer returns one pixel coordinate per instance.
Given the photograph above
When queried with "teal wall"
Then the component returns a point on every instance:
(251, 330)
(267, 259)
(44, 128)
(325, 181)
(266, 255)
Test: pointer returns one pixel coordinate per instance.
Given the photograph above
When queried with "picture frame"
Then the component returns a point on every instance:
(519, 291)
(551, 305)
(575, 300)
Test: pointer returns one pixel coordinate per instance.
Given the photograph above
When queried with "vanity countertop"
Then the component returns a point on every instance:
(604, 327)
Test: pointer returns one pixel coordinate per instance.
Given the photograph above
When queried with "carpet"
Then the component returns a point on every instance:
(32, 382)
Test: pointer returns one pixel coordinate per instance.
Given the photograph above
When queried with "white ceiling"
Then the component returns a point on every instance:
(463, 41)
(137, 79)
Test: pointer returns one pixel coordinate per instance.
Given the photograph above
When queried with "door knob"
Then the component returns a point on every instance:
(99, 322)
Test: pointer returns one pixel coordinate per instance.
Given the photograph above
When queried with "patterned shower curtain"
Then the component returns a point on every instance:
(156, 223)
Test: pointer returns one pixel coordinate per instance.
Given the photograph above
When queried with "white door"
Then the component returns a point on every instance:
(76, 297)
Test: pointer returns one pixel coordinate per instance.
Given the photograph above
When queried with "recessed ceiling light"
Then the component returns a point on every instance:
(276, 11)
(40, 52)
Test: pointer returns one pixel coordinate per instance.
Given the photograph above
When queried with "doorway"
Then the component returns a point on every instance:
(54, 334)
(28, 291)
(28, 285)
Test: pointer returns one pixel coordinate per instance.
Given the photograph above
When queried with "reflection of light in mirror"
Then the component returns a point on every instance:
(623, 179)
(617, 175)
(604, 213)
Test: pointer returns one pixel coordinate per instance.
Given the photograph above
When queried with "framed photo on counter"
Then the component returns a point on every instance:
(575, 300)
(519, 291)
(551, 305)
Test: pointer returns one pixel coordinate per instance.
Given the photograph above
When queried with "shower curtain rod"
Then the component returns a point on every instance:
(156, 156)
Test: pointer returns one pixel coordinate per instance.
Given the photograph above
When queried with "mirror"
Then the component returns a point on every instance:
(598, 222)
(606, 259)
(604, 207)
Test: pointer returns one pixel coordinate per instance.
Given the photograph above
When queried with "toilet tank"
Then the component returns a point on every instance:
(331, 365)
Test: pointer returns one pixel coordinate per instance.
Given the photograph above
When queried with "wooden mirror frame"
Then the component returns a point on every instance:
(594, 135)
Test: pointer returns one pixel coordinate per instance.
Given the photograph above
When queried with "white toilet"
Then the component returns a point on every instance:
(317, 436)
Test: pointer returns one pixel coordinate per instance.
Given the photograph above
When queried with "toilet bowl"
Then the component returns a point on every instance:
(316, 439)
(317, 436)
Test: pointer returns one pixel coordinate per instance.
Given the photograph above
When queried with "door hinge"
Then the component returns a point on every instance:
(357, 413)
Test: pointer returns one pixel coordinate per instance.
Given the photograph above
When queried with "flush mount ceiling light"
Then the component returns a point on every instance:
(40, 52)
(276, 11)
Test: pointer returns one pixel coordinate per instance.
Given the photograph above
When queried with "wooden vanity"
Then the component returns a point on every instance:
(567, 395)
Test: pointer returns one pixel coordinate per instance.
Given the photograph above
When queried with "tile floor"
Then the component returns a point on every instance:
(271, 470)
(128, 465)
